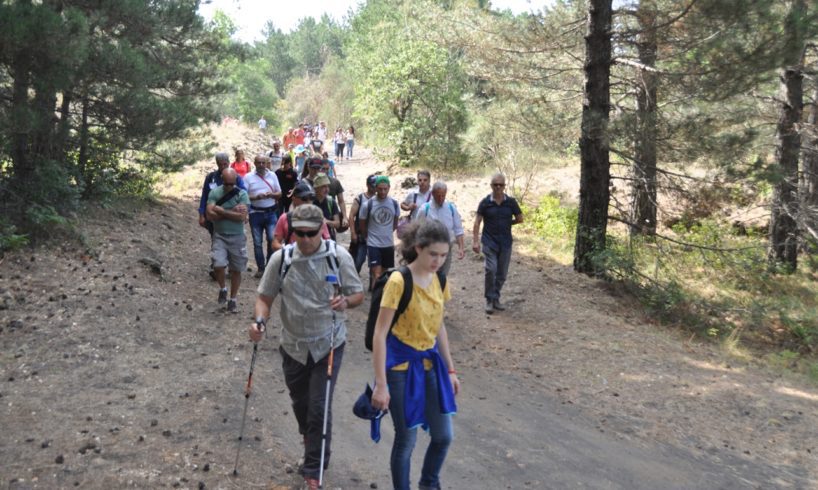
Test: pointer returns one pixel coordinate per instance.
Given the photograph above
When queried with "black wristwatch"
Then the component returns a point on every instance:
(260, 324)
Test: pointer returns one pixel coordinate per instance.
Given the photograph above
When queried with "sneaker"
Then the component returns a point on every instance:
(258, 274)
(311, 483)
(232, 307)
(489, 306)
(222, 296)
(499, 306)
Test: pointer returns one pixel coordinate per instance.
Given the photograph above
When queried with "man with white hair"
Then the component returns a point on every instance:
(498, 212)
(445, 211)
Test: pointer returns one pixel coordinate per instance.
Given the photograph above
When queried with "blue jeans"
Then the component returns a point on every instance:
(350, 144)
(497, 261)
(259, 223)
(440, 430)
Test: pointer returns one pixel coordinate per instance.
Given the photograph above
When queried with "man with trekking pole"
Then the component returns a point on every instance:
(317, 282)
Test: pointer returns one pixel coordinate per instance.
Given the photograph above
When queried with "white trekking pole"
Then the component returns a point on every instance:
(332, 279)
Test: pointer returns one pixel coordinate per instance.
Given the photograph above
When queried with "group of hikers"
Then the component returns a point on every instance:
(317, 281)
(318, 135)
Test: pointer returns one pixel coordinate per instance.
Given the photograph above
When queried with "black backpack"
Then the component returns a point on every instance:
(406, 297)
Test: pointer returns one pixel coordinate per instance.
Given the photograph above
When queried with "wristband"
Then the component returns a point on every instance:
(452, 371)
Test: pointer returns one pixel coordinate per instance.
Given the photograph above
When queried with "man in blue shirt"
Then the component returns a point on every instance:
(213, 180)
(499, 212)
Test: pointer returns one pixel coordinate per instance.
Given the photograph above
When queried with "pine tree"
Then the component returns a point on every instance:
(784, 208)
(595, 157)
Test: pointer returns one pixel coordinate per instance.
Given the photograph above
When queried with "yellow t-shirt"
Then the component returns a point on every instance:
(419, 325)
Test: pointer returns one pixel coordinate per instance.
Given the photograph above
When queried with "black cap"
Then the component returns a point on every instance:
(303, 190)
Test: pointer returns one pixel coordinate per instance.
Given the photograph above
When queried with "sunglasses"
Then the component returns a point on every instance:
(309, 234)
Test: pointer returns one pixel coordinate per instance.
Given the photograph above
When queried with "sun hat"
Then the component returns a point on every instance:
(363, 409)
(320, 179)
(299, 149)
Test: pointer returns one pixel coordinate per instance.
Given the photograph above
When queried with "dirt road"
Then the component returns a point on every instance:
(118, 369)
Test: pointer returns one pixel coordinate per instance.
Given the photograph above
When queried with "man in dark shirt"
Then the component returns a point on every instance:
(287, 178)
(499, 212)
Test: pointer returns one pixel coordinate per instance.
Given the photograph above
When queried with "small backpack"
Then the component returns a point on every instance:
(406, 297)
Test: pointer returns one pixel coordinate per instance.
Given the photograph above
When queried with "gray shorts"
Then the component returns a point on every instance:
(229, 250)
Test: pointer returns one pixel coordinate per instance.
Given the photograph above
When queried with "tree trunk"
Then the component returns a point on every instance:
(82, 159)
(21, 118)
(643, 204)
(809, 178)
(64, 128)
(783, 223)
(595, 176)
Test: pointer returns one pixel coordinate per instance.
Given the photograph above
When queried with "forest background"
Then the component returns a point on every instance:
(693, 124)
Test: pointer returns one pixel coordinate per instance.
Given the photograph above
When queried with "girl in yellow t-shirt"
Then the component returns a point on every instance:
(414, 372)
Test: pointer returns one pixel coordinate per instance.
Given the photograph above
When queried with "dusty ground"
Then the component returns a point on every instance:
(118, 369)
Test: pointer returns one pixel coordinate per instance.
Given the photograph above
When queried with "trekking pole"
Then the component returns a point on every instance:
(247, 390)
(332, 279)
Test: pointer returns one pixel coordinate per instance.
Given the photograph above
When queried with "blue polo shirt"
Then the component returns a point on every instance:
(497, 220)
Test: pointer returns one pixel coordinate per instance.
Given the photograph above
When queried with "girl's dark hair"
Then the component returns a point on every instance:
(286, 159)
(421, 233)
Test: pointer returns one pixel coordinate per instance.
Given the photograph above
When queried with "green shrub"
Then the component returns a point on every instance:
(553, 224)
(9, 238)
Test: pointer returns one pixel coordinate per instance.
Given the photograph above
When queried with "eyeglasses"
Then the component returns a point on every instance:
(309, 234)
(498, 185)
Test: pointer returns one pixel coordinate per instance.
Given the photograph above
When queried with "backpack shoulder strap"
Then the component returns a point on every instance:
(441, 277)
(289, 228)
(332, 258)
(230, 195)
(406, 296)
(286, 262)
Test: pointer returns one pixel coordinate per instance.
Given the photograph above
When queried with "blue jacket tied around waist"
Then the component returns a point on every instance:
(415, 401)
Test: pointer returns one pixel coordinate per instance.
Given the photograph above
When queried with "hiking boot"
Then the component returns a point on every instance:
(489, 306)
(222, 296)
(311, 483)
(232, 307)
(499, 306)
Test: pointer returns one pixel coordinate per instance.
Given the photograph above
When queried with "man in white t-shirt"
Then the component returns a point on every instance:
(420, 196)
(322, 131)
(264, 191)
(262, 124)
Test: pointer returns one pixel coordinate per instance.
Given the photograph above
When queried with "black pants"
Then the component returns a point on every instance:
(308, 384)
